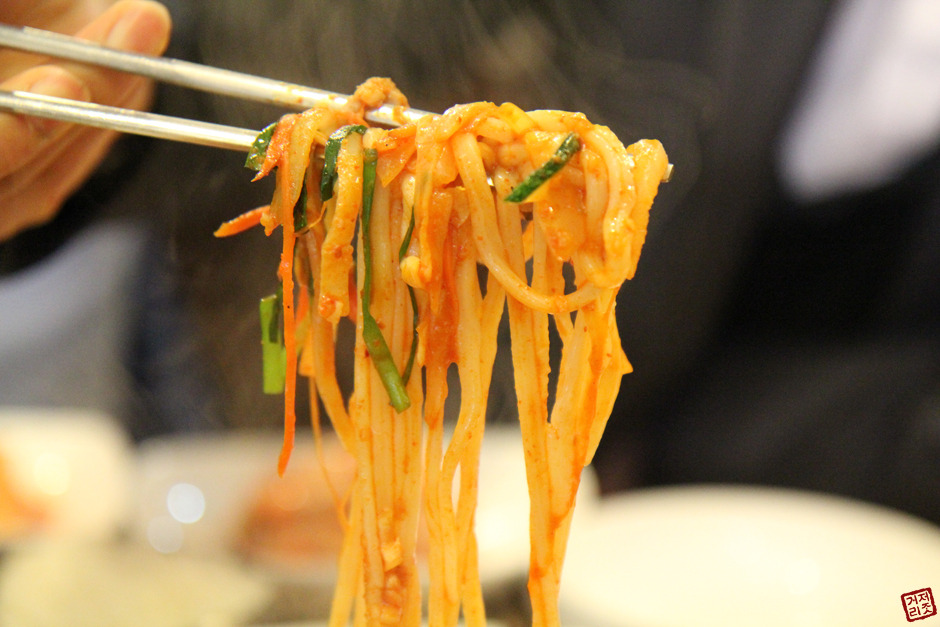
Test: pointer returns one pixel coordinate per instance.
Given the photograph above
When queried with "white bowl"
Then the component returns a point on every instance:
(736, 556)
(72, 465)
(192, 490)
(88, 584)
(222, 476)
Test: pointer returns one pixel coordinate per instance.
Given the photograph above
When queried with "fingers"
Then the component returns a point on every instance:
(139, 26)
(30, 145)
(43, 161)
(132, 25)
(20, 134)
(38, 196)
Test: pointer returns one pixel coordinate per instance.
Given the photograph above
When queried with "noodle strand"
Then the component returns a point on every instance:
(425, 263)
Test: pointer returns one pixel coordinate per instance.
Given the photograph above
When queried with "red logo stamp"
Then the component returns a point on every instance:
(919, 604)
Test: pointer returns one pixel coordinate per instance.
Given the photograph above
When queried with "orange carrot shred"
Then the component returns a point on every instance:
(241, 223)
(286, 272)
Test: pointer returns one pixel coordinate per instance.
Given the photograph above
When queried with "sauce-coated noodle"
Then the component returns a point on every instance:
(435, 213)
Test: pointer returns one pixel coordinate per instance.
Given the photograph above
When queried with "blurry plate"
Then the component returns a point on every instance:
(87, 584)
(191, 492)
(502, 517)
(489, 623)
(729, 556)
(71, 466)
(215, 482)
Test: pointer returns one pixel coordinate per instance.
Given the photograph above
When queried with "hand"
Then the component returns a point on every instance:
(43, 161)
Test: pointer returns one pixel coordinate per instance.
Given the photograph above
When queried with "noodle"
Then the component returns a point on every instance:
(396, 237)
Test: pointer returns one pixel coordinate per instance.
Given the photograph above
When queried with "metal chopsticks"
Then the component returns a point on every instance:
(176, 72)
(128, 120)
(191, 75)
(173, 71)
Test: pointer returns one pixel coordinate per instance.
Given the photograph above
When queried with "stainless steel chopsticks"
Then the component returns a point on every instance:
(176, 72)
(128, 120)
(191, 75)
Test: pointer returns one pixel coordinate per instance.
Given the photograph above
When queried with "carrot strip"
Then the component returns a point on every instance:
(241, 223)
(286, 271)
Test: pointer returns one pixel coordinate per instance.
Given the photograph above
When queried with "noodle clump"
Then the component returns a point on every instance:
(408, 233)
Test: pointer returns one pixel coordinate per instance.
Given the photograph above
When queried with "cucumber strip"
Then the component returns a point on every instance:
(568, 147)
(330, 152)
(406, 374)
(371, 333)
(273, 352)
(259, 147)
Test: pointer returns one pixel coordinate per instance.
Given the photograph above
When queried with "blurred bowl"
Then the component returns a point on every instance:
(197, 494)
(729, 556)
(68, 470)
(489, 623)
(502, 516)
(192, 491)
(88, 584)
